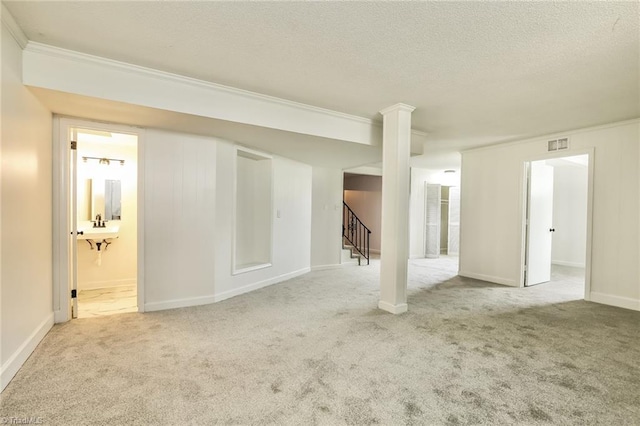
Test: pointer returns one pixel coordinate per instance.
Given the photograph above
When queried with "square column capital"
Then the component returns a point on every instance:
(397, 108)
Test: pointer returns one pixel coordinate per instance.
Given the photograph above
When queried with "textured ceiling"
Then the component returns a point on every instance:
(478, 72)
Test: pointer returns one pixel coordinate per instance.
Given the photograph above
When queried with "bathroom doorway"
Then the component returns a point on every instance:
(106, 209)
(100, 213)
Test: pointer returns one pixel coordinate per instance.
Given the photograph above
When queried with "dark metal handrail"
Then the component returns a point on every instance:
(356, 233)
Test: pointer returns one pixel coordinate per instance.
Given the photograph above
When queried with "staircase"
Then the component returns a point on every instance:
(355, 236)
(349, 258)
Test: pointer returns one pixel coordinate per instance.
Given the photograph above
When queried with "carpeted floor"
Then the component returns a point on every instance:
(315, 350)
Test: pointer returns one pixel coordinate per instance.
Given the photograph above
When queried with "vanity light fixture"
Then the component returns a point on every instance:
(105, 161)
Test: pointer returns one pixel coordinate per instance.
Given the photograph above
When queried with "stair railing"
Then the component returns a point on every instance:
(355, 232)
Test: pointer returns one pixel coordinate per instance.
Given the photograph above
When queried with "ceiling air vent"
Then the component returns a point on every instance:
(558, 144)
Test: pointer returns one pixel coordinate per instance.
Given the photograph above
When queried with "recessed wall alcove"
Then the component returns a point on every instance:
(253, 211)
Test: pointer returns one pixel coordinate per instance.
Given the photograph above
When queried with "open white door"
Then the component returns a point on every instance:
(432, 195)
(453, 247)
(73, 194)
(540, 223)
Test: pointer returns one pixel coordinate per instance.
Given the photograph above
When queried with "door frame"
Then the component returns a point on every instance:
(524, 200)
(62, 262)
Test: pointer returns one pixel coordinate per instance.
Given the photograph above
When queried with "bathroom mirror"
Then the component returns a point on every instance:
(99, 197)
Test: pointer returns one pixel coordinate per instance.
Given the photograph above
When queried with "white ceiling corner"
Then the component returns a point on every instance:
(13, 27)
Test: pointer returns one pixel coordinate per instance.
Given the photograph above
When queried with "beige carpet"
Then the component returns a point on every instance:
(315, 350)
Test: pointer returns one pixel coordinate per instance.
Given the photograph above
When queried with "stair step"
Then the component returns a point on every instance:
(347, 258)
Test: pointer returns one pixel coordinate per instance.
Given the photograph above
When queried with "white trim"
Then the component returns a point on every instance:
(489, 278)
(205, 300)
(140, 224)
(61, 229)
(565, 263)
(234, 218)
(253, 152)
(618, 301)
(564, 134)
(333, 266)
(397, 107)
(179, 303)
(419, 133)
(523, 200)
(14, 29)
(18, 358)
(590, 191)
(394, 309)
(244, 269)
(59, 52)
(88, 75)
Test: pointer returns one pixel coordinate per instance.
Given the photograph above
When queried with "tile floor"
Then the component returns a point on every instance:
(107, 301)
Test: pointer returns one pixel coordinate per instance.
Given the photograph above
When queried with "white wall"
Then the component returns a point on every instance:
(363, 194)
(180, 191)
(326, 217)
(119, 261)
(26, 229)
(569, 215)
(291, 231)
(189, 221)
(492, 207)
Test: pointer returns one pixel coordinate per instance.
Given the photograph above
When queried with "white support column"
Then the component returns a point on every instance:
(396, 148)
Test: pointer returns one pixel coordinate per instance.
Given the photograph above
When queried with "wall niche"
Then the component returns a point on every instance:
(253, 211)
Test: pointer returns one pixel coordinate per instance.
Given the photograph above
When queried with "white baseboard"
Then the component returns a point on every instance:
(18, 358)
(394, 309)
(334, 266)
(92, 285)
(60, 316)
(179, 303)
(489, 278)
(618, 301)
(205, 300)
(260, 284)
(571, 264)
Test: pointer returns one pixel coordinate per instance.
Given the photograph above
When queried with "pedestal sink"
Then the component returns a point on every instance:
(99, 234)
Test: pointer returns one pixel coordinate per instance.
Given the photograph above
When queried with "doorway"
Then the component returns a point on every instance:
(442, 220)
(106, 213)
(97, 219)
(556, 222)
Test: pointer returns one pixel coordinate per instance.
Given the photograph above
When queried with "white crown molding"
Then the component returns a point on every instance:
(89, 75)
(163, 75)
(13, 27)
